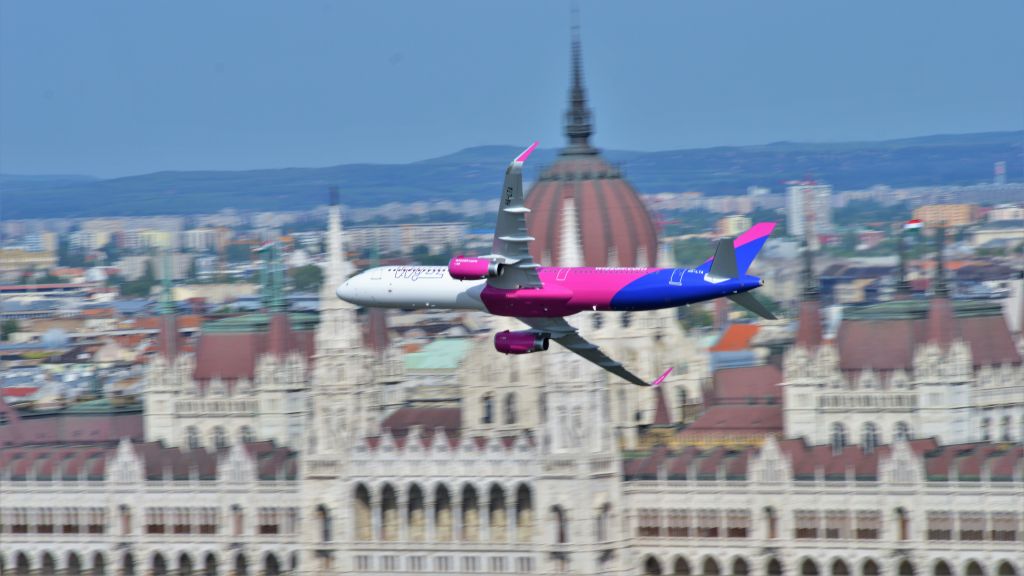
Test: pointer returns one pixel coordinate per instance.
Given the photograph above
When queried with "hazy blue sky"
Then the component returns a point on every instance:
(113, 88)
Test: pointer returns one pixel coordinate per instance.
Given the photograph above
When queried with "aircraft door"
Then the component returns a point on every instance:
(677, 277)
(562, 273)
(376, 273)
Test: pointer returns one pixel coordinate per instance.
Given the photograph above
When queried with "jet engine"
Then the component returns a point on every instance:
(523, 342)
(462, 268)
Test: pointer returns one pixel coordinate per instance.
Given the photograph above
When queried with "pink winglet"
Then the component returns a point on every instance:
(526, 153)
(756, 231)
(660, 379)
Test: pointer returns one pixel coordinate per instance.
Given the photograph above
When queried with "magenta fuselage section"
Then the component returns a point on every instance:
(566, 291)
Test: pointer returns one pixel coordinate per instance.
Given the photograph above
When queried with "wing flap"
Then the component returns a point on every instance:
(567, 336)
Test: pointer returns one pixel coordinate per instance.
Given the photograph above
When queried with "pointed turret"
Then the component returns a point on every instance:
(578, 126)
(940, 312)
(273, 297)
(337, 265)
(809, 329)
(167, 339)
(902, 284)
(661, 416)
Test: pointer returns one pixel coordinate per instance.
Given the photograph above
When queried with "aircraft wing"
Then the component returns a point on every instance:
(511, 239)
(566, 335)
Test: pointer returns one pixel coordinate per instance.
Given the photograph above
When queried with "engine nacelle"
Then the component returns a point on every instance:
(462, 268)
(524, 342)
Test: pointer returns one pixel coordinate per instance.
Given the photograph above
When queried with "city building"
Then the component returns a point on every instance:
(808, 210)
(947, 215)
(732, 226)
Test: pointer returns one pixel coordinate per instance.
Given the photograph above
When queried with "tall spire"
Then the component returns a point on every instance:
(337, 269)
(578, 126)
(941, 287)
(810, 290)
(808, 332)
(902, 284)
(166, 298)
(167, 338)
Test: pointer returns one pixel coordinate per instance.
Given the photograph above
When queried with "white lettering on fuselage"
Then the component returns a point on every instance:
(414, 274)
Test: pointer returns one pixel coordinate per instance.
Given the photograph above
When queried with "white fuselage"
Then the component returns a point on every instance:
(412, 287)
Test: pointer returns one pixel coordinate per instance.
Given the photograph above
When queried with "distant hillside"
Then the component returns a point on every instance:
(477, 172)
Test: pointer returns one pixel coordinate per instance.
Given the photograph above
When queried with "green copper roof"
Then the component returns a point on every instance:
(259, 322)
(918, 308)
(439, 355)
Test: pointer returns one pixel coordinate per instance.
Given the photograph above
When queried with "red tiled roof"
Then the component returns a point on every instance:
(159, 461)
(740, 385)
(428, 418)
(889, 344)
(966, 461)
(19, 391)
(737, 419)
(232, 356)
(736, 337)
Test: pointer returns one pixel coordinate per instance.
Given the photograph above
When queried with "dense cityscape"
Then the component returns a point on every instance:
(186, 394)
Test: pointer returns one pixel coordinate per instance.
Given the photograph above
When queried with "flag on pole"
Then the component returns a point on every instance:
(914, 224)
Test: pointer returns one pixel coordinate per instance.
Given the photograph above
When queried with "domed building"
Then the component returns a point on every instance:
(582, 212)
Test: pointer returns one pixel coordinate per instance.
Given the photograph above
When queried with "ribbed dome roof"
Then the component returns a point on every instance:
(582, 213)
(610, 224)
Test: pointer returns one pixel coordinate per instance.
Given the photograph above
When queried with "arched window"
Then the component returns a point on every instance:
(839, 568)
(652, 567)
(524, 514)
(902, 431)
(510, 408)
(126, 519)
(415, 516)
(869, 437)
(561, 525)
(870, 568)
(681, 567)
(470, 514)
(1006, 569)
(498, 520)
(99, 564)
(771, 521)
(159, 565)
(74, 565)
(711, 567)
(128, 564)
(740, 567)
(903, 523)
(942, 569)
(986, 423)
(809, 568)
(1004, 429)
(241, 565)
(49, 567)
(220, 438)
(239, 517)
(184, 565)
(325, 523)
(488, 409)
(774, 567)
(21, 565)
(974, 569)
(271, 566)
(245, 435)
(838, 437)
(210, 565)
(192, 439)
(389, 513)
(603, 520)
(442, 515)
(906, 568)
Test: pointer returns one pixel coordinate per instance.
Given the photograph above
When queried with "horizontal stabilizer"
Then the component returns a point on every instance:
(747, 300)
(724, 263)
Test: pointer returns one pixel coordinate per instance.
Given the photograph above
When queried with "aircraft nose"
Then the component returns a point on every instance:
(347, 291)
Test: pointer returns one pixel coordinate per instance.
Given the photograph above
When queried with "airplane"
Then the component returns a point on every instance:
(508, 282)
